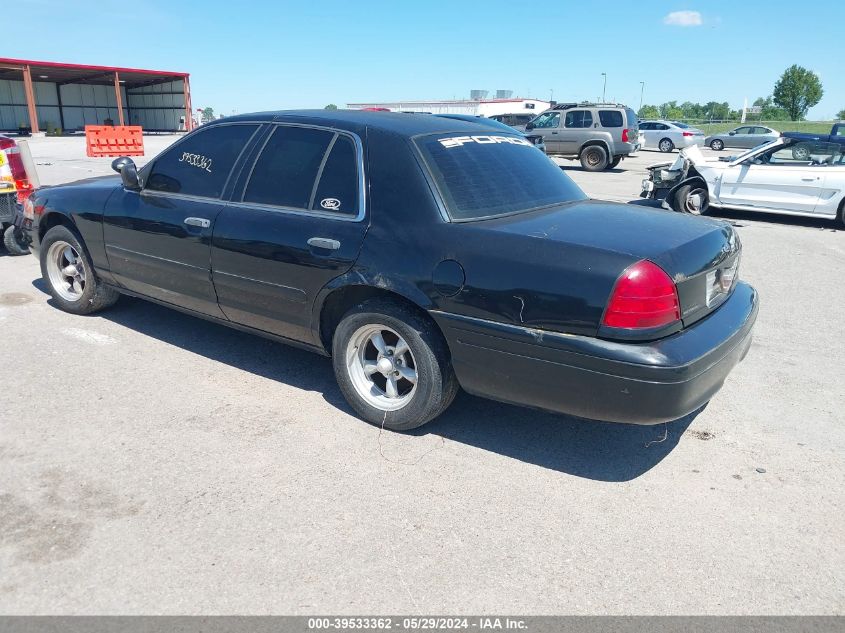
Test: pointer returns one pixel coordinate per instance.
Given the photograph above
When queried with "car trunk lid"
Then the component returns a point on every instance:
(701, 255)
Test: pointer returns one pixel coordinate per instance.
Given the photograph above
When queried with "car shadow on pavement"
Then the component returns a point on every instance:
(594, 450)
(613, 170)
(602, 451)
(733, 215)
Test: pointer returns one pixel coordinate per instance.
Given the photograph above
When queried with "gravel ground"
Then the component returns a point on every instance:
(151, 462)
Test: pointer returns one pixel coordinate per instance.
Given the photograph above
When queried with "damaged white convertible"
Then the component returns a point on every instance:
(787, 176)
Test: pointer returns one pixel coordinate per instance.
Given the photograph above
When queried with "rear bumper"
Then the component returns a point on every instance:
(638, 383)
(689, 141)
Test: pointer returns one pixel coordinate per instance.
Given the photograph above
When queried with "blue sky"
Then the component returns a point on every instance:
(260, 55)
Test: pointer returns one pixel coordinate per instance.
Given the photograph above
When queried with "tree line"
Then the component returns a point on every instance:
(797, 90)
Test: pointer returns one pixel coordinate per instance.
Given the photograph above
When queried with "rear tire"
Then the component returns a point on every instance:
(594, 158)
(616, 160)
(665, 145)
(67, 270)
(693, 199)
(380, 342)
(717, 145)
(15, 241)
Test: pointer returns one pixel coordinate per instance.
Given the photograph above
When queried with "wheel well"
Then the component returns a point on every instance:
(601, 144)
(54, 219)
(339, 302)
(691, 179)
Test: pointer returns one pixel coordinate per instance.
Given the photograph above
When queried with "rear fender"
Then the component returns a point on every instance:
(370, 279)
(605, 143)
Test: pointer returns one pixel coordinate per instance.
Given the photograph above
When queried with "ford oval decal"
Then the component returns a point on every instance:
(332, 204)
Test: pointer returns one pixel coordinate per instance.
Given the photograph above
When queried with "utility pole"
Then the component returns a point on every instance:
(642, 88)
(604, 89)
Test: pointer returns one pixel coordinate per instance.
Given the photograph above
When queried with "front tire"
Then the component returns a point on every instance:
(717, 144)
(594, 158)
(801, 152)
(693, 199)
(392, 365)
(15, 241)
(66, 267)
(665, 145)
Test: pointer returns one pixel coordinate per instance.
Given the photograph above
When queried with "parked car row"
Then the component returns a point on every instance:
(421, 253)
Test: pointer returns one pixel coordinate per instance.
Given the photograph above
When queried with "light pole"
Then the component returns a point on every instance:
(642, 88)
(604, 88)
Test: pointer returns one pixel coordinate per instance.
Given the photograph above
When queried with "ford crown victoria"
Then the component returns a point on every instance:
(421, 254)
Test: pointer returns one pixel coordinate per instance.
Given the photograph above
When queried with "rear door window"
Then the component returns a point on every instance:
(338, 187)
(286, 171)
(578, 119)
(610, 118)
(200, 165)
(484, 176)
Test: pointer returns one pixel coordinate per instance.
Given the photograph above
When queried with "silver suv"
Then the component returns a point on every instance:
(599, 134)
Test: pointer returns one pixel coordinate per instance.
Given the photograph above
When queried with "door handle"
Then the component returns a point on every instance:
(200, 222)
(554, 132)
(324, 242)
(810, 179)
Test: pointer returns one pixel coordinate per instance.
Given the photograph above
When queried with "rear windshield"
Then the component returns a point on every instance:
(484, 176)
(683, 126)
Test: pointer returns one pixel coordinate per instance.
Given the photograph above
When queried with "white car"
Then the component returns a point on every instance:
(790, 176)
(669, 135)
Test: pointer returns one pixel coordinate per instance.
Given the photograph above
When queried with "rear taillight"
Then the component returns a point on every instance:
(625, 135)
(688, 134)
(643, 297)
(19, 176)
(30, 209)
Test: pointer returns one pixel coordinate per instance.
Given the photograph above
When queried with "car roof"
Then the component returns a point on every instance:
(401, 123)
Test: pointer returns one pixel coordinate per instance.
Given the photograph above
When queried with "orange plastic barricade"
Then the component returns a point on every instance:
(117, 140)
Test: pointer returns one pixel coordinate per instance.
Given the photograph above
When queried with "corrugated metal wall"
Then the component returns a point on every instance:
(84, 104)
(157, 107)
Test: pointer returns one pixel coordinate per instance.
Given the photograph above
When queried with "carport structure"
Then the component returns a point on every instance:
(70, 96)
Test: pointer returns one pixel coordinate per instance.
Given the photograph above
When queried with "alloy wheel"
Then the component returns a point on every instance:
(381, 367)
(66, 271)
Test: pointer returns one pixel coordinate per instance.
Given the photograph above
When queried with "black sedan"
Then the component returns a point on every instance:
(422, 254)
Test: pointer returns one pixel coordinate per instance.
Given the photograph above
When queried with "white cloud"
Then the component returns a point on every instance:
(683, 18)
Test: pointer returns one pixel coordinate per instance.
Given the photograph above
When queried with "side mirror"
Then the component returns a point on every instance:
(128, 172)
(732, 133)
(529, 126)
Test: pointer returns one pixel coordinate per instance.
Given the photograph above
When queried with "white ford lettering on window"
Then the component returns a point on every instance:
(332, 204)
(459, 141)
